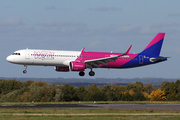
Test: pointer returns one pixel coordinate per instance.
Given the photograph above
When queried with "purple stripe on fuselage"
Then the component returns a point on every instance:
(138, 61)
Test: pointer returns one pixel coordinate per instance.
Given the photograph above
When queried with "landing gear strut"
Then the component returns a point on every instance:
(25, 71)
(81, 73)
(91, 73)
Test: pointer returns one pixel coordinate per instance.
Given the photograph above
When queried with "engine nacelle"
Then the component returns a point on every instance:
(61, 69)
(77, 66)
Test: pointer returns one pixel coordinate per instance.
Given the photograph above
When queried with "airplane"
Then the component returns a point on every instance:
(65, 61)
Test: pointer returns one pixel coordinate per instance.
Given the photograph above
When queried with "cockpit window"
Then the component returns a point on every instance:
(16, 54)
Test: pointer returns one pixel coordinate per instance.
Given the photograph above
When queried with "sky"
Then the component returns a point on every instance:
(97, 25)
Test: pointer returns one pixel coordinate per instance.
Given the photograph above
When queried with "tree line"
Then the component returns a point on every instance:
(17, 91)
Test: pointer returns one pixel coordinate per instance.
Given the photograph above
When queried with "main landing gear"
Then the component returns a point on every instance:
(91, 73)
(81, 73)
(25, 71)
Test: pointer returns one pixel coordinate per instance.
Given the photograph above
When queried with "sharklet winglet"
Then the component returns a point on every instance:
(128, 49)
(82, 49)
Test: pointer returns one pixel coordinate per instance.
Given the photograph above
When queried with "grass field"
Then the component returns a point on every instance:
(91, 102)
(87, 118)
(86, 114)
(81, 114)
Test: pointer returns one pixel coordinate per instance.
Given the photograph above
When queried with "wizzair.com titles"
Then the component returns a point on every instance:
(121, 56)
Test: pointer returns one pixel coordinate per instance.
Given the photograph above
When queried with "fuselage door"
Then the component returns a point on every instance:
(27, 54)
(141, 59)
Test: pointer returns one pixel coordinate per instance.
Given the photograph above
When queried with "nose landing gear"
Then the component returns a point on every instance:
(25, 71)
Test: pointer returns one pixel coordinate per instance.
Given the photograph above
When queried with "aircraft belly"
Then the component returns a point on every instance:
(46, 62)
(111, 65)
(54, 62)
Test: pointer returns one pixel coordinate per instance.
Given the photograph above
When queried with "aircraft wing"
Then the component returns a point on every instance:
(97, 62)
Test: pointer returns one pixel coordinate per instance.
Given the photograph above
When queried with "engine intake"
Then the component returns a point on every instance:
(77, 66)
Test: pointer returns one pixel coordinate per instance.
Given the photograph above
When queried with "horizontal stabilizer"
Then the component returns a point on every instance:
(156, 59)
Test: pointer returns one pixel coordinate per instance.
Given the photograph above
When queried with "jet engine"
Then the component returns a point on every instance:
(77, 66)
(61, 69)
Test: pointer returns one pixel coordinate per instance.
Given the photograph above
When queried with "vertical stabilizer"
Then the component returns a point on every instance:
(154, 47)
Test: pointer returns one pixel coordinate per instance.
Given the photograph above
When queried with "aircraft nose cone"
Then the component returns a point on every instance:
(10, 58)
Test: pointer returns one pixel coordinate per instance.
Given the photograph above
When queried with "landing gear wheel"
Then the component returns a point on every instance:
(81, 73)
(24, 71)
(91, 73)
(25, 67)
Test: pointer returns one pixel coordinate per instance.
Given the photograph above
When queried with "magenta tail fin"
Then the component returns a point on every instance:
(154, 47)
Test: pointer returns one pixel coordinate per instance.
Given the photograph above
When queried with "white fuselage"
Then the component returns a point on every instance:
(43, 57)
